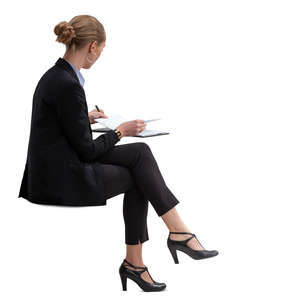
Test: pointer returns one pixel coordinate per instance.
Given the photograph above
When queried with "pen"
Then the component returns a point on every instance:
(97, 107)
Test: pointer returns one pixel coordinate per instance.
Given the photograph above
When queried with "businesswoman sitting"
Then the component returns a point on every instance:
(66, 166)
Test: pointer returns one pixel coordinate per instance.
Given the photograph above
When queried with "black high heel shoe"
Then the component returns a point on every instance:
(136, 277)
(174, 245)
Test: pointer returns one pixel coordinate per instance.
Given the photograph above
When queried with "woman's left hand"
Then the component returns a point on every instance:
(95, 114)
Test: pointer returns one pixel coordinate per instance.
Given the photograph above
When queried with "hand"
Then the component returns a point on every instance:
(95, 114)
(131, 128)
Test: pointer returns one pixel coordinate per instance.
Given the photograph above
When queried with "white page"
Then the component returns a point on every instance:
(147, 121)
(115, 120)
(112, 121)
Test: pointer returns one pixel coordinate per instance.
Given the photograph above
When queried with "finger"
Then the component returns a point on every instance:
(141, 128)
(96, 110)
(141, 122)
(101, 115)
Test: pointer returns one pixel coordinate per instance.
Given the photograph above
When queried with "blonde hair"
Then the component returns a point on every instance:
(79, 31)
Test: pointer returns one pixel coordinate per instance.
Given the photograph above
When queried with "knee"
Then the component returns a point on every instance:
(142, 147)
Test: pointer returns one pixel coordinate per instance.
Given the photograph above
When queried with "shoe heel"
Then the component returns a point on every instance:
(124, 282)
(174, 255)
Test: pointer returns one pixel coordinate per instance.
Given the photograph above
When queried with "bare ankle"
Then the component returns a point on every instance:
(179, 229)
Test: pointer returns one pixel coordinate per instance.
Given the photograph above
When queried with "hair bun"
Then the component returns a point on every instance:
(65, 32)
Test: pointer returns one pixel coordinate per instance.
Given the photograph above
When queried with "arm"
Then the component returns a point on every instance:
(75, 123)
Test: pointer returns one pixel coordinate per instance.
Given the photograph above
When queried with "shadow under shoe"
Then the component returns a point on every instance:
(181, 245)
(135, 275)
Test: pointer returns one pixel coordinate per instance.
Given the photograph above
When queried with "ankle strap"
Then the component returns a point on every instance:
(181, 232)
(185, 241)
(135, 267)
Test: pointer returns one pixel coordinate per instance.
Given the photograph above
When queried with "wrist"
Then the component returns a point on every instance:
(119, 133)
(122, 131)
(92, 121)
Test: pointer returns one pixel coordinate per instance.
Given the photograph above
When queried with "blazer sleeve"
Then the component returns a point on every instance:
(75, 123)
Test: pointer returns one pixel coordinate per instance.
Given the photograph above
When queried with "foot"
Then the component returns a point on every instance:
(192, 243)
(145, 275)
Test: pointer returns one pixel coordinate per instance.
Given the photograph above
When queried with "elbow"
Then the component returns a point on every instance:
(87, 155)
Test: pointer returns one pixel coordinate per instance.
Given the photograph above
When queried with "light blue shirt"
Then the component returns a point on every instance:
(79, 75)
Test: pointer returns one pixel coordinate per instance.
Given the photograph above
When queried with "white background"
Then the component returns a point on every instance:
(224, 76)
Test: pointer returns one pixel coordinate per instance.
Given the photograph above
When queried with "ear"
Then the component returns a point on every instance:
(92, 45)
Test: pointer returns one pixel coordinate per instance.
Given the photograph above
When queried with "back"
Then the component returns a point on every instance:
(61, 150)
(45, 129)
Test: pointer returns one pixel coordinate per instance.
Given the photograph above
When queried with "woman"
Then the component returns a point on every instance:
(65, 166)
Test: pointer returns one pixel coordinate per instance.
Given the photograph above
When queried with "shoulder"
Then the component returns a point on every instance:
(58, 81)
(57, 75)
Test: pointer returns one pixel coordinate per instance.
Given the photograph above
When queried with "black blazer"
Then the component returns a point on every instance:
(61, 150)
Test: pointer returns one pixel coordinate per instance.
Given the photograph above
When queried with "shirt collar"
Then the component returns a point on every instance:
(78, 73)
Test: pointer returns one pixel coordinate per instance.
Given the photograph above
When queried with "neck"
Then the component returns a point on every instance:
(75, 59)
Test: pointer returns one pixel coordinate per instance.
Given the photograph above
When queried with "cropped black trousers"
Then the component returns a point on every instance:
(132, 169)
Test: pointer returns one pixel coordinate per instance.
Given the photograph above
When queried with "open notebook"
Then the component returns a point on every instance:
(115, 120)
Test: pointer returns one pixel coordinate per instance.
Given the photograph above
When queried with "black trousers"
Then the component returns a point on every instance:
(132, 169)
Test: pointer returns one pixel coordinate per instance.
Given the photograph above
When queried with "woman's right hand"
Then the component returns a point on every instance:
(131, 128)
